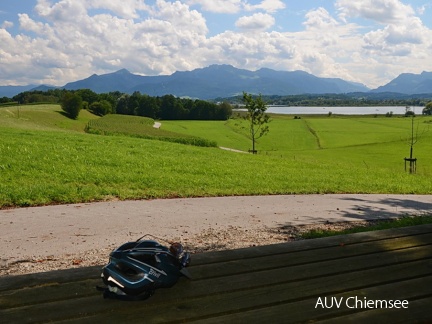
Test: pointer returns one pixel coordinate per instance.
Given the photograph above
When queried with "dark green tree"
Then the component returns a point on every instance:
(122, 106)
(172, 108)
(257, 117)
(112, 98)
(101, 108)
(88, 95)
(5, 100)
(225, 111)
(72, 104)
(428, 109)
(133, 102)
(148, 107)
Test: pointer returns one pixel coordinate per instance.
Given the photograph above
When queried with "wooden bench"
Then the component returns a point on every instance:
(282, 283)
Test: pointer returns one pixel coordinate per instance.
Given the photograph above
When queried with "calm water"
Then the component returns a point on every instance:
(342, 110)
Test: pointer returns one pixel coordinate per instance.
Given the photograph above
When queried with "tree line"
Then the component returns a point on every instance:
(340, 100)
(167, 107)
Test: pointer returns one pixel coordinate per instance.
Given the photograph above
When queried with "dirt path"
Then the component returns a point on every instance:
(232, 150)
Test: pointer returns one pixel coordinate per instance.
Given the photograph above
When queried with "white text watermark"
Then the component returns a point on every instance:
(359, 302)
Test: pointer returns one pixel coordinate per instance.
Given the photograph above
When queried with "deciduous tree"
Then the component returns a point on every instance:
(72, 104)
(101, 108)
(257, 117)
(428, 109)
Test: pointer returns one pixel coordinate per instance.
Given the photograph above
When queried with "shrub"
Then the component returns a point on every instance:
(101, 108)
(72, 104)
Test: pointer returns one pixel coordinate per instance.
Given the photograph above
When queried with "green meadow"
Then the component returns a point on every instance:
(47, 158)
(141, 127)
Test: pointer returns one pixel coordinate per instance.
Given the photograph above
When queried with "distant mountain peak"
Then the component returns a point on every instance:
(122, 71)
(217, 80)
(224, 80)
(219, 66)
(409, 83)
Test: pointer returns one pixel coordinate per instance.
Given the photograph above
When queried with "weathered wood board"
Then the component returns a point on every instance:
(283, 283)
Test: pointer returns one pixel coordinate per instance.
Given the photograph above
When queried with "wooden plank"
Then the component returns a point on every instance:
(49, 277)
(419, 311)
(243, 301)
(48, 293)
(11, 282)
(244, 265)
(294, 275)
(239, 265)
(319, 243)
(53, 292)
(306, 311)
(239, 302)
(216, 304)
(282, 273)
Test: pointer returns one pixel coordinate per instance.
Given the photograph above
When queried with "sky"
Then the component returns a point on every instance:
(54, 42)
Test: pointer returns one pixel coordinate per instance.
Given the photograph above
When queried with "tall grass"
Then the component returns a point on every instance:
(141, 127)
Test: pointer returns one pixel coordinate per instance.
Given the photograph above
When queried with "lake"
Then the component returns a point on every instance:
(380, 110)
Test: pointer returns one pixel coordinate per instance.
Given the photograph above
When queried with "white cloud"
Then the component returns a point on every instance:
(258, 21)
(411, 32)
(7, 24)
(270, 6)
(320, 19)
(128, 9)
(421, 10)
(27, 23)
(69, 9)
(398, 40)
(67, 40)
(381, 11)
(235, 6)
(219, 6)
(64, 10)
(72, 44)
(180, 16)
(390, 47)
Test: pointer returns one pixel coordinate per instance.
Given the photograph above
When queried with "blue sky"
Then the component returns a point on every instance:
(367, 41)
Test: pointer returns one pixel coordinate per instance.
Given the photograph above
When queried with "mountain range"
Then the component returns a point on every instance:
(409, 83)
(226, 81)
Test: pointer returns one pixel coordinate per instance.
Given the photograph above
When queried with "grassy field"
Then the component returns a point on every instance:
(43, 117)
(360, 142)
(47, 158)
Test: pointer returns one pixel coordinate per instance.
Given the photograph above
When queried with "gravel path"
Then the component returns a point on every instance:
(64, 236)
